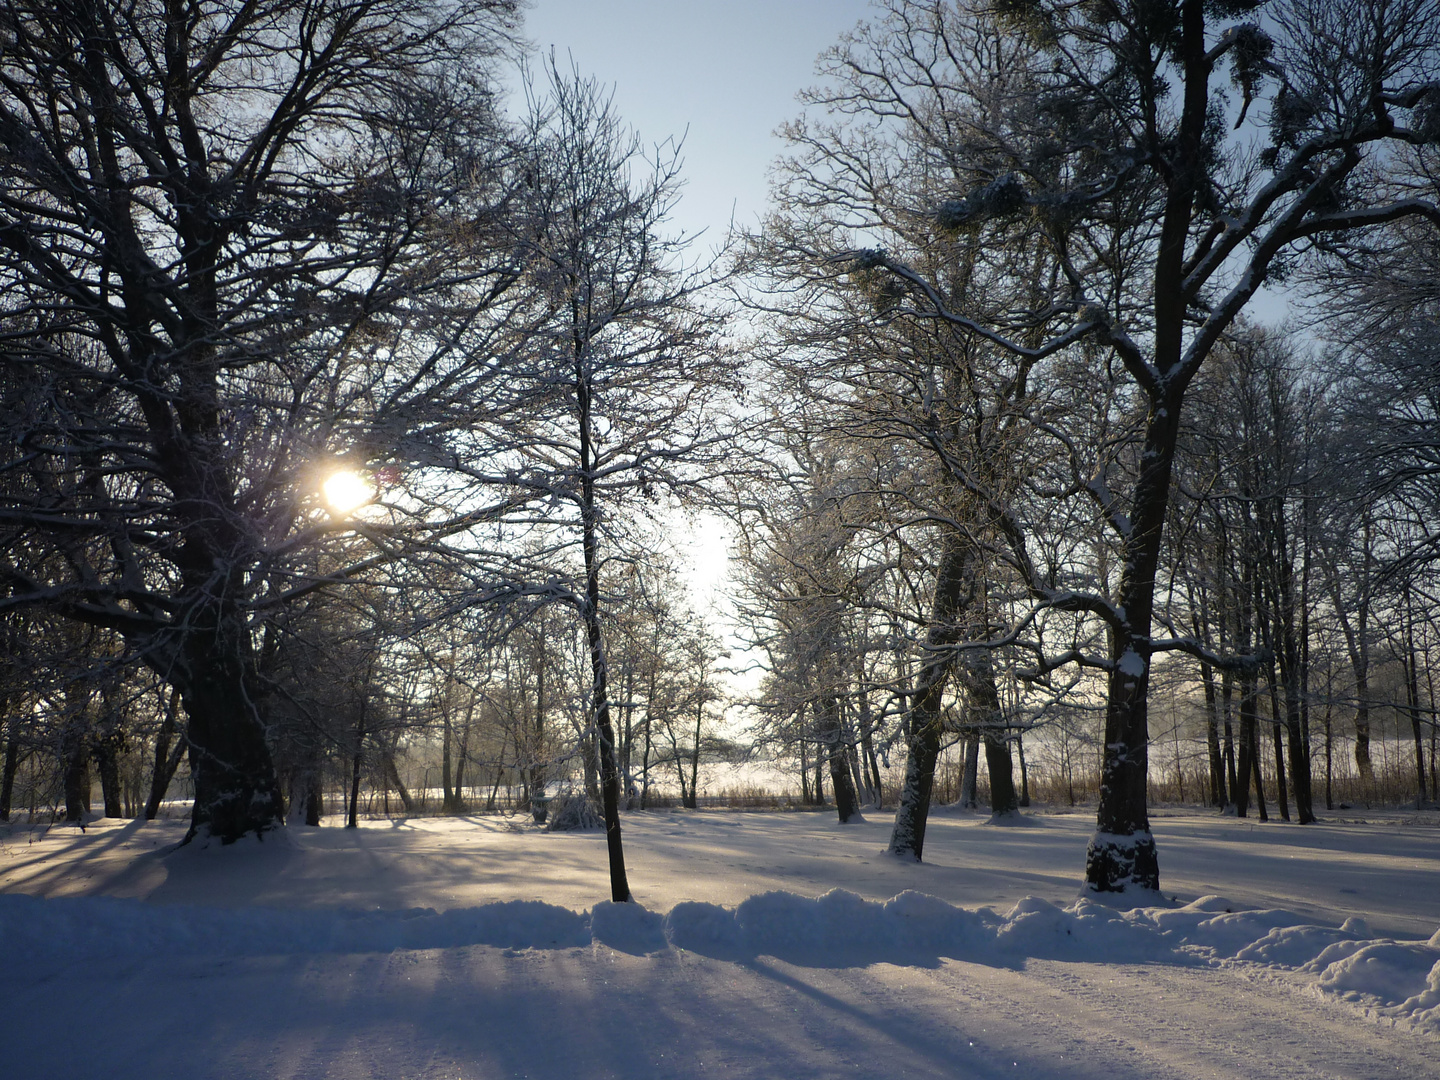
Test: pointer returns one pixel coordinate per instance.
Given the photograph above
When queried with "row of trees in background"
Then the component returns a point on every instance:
(1004, 449)
(1269, 549)
(1007, 285)
(410, 716)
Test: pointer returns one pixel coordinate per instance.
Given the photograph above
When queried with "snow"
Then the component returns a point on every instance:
(1131, 663)
(762, 945)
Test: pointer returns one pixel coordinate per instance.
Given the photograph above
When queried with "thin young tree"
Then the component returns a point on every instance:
(614, 394)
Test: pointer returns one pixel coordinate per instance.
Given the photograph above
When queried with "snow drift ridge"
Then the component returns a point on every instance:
(1391, 979)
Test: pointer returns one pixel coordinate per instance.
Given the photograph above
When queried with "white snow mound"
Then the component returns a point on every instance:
(1396, 980)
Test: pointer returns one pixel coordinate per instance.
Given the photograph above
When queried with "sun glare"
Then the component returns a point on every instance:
(345, 491)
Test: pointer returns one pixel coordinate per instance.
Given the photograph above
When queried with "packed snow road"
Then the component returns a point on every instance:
(475, 949)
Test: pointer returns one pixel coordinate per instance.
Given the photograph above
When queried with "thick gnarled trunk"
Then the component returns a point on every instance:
(236, 789)
(1121, 853)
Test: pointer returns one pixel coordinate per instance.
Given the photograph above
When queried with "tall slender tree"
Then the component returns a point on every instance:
(614, 395)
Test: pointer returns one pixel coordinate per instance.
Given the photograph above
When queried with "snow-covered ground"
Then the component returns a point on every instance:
(763, 945)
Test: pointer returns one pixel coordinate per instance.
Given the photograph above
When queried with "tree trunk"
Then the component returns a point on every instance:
(869, 763)
(954, 587)
(595, 639)
(1024, 772)
(499, 774)
(108, 766)
(539, 808)
(970, 774)
(850, 739)
(236, 789)
(1412, 698)
(462, 758)
(828, 726)
(1434, 735)
(1275, 723)
(1227, 700)
(1121, 855)
(312, 794)
(695, 761)
(76, 761)
(394, 774)
(447, 792)
(1302, 783)
(1201, 631)
(7, 776)
(645, 764)
(1280, 796)
(107, 740)
(859, 780)
(627, 736)
(609, 769)
(1255, 771)
(1363, 761)
(1247, 745)
(1329, 759)
(167, 757)
(1413, 692)
(1290, 655)
(1357, 643)
(1362, 667)
(1000, 767)
(352, 819)
(1212, 737)
(678, 760)
(977, 676)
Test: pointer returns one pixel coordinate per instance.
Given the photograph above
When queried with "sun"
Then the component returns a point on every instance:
(346, 491)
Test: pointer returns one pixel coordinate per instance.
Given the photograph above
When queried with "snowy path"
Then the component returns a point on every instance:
(477, 1012)
(297, 958)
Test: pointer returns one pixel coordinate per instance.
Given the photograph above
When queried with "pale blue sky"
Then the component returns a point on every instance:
(728, 71)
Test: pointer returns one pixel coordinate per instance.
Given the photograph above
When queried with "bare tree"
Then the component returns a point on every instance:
(614, 394)
(1089, 139)
(216, 220)
(804, 577)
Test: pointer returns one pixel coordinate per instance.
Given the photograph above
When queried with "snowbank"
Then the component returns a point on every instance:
(1399, 980)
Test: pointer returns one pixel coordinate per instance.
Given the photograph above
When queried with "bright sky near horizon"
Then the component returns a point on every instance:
(722, 75)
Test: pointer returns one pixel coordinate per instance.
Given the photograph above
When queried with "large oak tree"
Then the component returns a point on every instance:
(237, 240)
